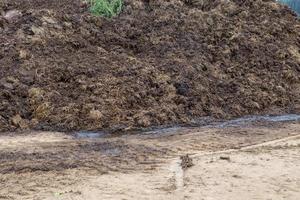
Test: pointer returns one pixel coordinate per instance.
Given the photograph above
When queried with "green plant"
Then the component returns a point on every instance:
(106, 8)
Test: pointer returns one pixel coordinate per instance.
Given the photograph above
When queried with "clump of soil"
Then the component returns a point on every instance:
(159, 62)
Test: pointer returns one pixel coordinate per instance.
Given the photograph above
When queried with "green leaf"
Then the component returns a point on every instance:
(106, 8)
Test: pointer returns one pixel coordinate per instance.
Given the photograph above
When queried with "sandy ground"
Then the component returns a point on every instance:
(252, 162)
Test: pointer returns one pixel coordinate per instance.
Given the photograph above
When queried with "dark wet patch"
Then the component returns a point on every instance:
(100, 156)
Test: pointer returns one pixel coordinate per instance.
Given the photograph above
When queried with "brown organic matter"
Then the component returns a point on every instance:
(158, 63)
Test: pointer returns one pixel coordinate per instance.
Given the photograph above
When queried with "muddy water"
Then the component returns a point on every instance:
(239, 122)
(90, 135)
(251, 119)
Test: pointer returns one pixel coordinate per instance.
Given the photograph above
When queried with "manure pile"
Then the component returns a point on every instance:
(160, 62)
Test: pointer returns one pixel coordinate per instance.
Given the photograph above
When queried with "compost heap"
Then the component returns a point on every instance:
(158, 63)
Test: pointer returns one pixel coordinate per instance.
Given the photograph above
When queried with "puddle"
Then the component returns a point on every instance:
(159, 132)
(89, 135)
(250, 119)
(230, 123)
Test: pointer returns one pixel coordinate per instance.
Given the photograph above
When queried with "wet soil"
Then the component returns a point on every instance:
(158, 63)
(49, 165)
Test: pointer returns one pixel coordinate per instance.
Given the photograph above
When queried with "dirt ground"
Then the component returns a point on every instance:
(258, 161)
